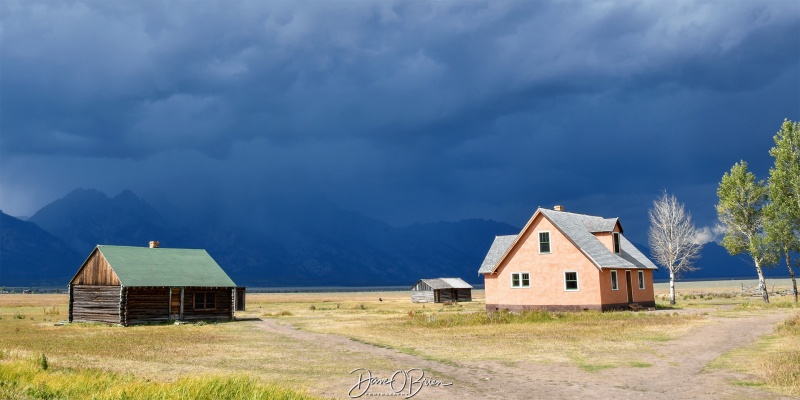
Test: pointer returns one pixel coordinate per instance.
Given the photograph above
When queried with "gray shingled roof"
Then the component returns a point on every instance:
(446, 283)
(631, 254)
(599, 224)
(579, 229)
(499, 248)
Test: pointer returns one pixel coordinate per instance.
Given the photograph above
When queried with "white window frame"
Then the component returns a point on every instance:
(614, 280)
(641, 280)
(549, 242)
(519, 275)
(616, 245)
(577, 282)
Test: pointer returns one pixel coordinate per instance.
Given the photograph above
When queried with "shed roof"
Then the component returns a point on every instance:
(579, 229)
(144, 266)
(446, 283)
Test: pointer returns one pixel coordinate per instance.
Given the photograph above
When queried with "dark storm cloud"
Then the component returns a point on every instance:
(405, 110)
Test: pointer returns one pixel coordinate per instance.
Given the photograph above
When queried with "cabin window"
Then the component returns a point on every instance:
(614, 285)
(544, 242)
(571, 280)
(520, 279)
(616, 242)
(641, 280)
(204, 301)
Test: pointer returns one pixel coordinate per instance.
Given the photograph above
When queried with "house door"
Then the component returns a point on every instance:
(629, 286)
(175, 303)
(435, 296)
(240, 299)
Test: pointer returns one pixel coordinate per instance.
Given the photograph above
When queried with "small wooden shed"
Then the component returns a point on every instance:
(440, 290)
(134, 285)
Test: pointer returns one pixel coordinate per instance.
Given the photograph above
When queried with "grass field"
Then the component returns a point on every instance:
(168, 361)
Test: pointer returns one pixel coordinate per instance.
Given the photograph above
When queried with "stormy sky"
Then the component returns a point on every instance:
(406, 111)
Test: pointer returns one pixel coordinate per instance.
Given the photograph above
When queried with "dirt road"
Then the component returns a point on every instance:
(677, 370)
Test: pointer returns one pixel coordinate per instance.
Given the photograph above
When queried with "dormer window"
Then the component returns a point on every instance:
(544, 242)
(616, 242)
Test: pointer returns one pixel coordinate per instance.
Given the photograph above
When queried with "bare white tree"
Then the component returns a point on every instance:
(673, 238)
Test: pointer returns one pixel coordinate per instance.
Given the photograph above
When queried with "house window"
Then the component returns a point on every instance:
(616, 242)
(204, 301)
(544, 242)
(641, 280)
(520, 279)
(614, 285)
(571, 280)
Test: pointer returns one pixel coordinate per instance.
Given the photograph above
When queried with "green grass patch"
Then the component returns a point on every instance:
(640, 364)
(748, 383)
(760, 305)
(25, 378)
(595, 367)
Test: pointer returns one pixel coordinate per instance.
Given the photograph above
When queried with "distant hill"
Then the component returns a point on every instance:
(29, 256)
(310, 242)
(306, 242)
(85, 218)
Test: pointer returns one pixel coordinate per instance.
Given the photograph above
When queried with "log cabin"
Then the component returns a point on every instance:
(440, 290)
(136, 285)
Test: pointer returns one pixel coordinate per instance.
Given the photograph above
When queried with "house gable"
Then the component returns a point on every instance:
(577, 229)
(96, 271)
(527, 244)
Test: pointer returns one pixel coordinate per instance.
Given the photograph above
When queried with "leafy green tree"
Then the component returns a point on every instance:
(782, 222)
(741, 205)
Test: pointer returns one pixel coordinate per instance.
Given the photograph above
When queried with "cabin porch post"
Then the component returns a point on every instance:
(123, 305)
(181, 314)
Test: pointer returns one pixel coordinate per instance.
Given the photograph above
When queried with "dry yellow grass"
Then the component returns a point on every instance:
(383, 319)
(773, 361)
(453, 334)
(166, 352)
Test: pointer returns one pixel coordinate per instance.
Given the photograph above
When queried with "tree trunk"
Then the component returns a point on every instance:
(671, 287)
(761, 284)
(791, 274)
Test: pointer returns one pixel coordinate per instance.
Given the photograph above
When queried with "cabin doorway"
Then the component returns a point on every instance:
(175, 306)
(629, 286)
(240, 299)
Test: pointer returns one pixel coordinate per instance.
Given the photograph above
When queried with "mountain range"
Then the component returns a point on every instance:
(305, 243)
(301, 243)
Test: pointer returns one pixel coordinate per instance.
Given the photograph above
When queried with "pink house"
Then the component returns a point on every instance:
(567, 261)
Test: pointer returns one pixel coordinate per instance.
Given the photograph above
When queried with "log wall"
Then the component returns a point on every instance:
(223, 301)
(446, 295)
(452, 295)
(422, 296)
(143, 305)
(91, 303)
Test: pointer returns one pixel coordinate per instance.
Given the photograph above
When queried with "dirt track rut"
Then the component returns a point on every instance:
(677, 370)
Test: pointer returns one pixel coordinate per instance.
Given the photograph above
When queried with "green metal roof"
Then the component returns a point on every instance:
(143, 266)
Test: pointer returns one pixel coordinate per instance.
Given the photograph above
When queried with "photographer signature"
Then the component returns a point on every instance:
(405, 383)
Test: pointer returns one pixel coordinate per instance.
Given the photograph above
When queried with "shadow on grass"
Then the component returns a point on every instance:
(667, 306)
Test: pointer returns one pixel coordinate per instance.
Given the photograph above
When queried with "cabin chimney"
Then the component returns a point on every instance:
(558, 208)
(154, 244)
